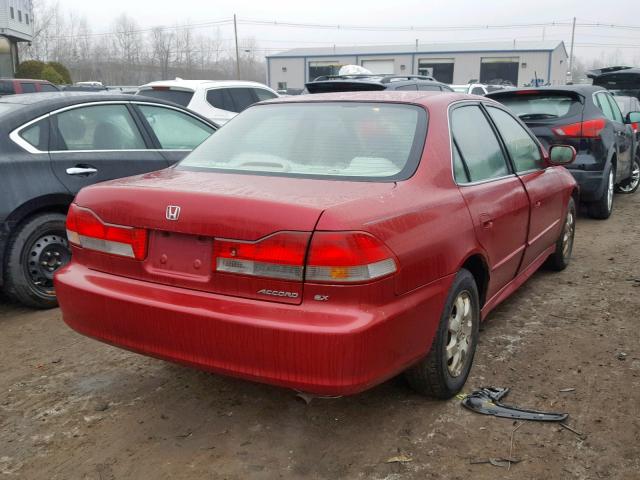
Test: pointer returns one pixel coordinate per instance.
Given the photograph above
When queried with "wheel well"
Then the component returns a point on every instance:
(478, 268)
(614, 162)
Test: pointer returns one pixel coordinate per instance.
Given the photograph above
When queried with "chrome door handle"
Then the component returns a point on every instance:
(81, 170)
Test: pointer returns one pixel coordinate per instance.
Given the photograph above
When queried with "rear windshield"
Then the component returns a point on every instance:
(346, 140)
(539, 106)
(176, 96)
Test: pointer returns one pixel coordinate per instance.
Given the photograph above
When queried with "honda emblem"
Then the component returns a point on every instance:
(173, 212)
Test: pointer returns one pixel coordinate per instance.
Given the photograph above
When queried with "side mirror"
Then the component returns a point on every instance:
(632, 117)
(562, 155)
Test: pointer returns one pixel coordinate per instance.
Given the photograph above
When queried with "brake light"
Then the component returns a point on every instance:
(160, 89)
(86, 230)
(587, 129)
(280, 255)
(346, 257)
(334, 257)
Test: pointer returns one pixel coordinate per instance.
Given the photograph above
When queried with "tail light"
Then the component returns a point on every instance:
(587, 129)
(333, 257)
(280, 255)
(86, 230)
(346, 257)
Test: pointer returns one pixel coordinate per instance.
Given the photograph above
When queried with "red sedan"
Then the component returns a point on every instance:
(324, 243)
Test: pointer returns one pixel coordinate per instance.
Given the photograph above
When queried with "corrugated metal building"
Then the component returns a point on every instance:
(16, 25)
(458, 63)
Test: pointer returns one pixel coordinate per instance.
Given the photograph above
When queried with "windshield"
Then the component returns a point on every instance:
(539, 106)
(334, 139)
(176, 96)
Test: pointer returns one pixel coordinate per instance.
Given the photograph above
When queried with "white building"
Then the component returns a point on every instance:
(16, 25)
(518, 62)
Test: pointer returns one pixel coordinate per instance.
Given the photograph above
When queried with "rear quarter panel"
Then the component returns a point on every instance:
(424, 221)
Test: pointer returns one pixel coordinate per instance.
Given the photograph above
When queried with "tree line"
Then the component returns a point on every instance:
(129, 54)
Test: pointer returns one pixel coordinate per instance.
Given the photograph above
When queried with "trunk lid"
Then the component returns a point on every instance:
(211, 206)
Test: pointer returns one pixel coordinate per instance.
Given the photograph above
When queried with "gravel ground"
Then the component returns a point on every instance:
(72, 408)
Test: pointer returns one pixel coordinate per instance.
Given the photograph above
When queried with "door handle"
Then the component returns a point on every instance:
(81, 171)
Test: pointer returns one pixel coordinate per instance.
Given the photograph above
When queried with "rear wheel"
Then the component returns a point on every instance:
(561, 257)
(602, 208)
(444, 371)
(631, 184)
(36, 250)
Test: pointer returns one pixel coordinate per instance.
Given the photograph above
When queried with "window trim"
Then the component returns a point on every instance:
(14, 135)
(463, 103)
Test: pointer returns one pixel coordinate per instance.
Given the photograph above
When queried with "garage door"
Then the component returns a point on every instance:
(378, 66)
(500, 69)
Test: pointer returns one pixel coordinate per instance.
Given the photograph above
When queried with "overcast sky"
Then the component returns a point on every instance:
(591, 42)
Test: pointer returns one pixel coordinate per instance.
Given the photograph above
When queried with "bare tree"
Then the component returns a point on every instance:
(161, 47)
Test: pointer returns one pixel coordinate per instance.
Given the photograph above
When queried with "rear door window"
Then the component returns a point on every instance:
(175, 130)
(407, 87)
(477, 91)
(100, 127)
(242, 98)
(617, 115)
(181, 97)
(28, 87)
(262, 94)
(45, 87)
(429, 88)
(37, 135)
(522, 148)
(220, 98)
(478, 144)
(540, 106)
(603, 104)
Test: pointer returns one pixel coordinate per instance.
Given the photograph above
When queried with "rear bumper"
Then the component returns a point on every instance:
(592, 184)
(315, 347)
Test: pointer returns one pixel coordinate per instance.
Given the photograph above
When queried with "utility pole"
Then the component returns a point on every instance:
(573, 36)
(235, 33)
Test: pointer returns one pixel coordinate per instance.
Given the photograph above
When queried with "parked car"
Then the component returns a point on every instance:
(478, 88)
(219, 100)
(628, 105)
(373, 82)
(324, 242)
(52, 145)
(618, 80)
(588, 118)
(13, 86)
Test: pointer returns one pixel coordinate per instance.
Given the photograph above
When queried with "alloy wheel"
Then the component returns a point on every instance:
(460, 331)
(569, 232)
(610, 191)
(634, 181)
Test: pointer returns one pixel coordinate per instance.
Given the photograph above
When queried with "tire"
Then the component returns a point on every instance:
(438, 375)
(36, 249)
(631, 184)
(602, 208)
(561, 257)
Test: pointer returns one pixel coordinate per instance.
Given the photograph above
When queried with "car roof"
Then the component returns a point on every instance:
(35, 105)
(196, 84)
(35, 80)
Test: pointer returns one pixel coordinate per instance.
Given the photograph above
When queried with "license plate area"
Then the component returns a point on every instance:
(179, 255)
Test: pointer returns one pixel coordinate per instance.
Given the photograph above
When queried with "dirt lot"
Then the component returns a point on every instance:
(72, 408)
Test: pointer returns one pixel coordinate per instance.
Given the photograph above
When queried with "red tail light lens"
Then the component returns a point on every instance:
(346, 257)
(334, 257)
(280, 255)
(588, 129)
(86, 230)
